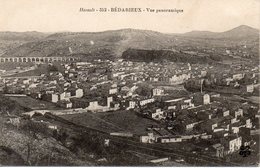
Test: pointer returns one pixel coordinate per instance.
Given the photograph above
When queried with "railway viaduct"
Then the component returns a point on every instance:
(37, 59)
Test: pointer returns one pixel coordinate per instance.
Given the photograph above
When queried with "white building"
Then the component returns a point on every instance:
(150, 138)
(157, 92)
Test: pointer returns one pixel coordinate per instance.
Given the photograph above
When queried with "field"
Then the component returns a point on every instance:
(126, 121)
(42, 69)
(254, 99)
(34, 104)
(13, 65)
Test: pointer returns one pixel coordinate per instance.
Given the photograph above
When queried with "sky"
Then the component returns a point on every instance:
(64, 15)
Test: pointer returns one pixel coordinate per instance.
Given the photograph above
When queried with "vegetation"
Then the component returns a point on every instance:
(10, 107)
(144, 90)
(162, 55)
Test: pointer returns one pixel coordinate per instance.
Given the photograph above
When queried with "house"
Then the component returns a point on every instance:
(249, 123)
(78, 93)
(219, 150)
(51, 97)
(33, 85)
(249, 88)
(157, 92)
(63, 96)
(237, 113)
(203, 73)
(170, 114)
(125, 88)
(26, 81)
(179, 103)
(112, 91)
(115, 105)
(226, 113)
(220, 134)
(234, 120)
(158, 114)
(204, 115)
(214, 95)
(144, 102)
(179, 78)
(246, 136)
(231, 143)
(187, 103)
(109, 101)
(189, 124)
(93, 105)
(65, 104)
(209, 125)
(129, 104)
(169, 139)
(235, 127)
(201, 99)
(238, 76)
(150, 138)
(100, 105)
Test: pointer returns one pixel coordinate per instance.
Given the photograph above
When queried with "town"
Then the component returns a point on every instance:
(204, 112)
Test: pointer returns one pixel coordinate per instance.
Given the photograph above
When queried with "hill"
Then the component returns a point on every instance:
(9, 157)
(111, 44)
(163, 55)
(101, 44)
(10, 107)
(240, 32)
(200, 34)
(22, 36)
(11, 40)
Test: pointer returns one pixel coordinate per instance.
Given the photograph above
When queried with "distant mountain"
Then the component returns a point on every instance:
(112, 43)
(107, 43)
(240, 32)
(22, 36)
(201, 34)
(11, 40)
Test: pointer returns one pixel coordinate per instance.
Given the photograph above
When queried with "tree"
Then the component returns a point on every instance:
(52, 68)
(144, 90)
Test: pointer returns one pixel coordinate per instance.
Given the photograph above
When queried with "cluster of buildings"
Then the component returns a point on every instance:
(102, 86)
(221, 124)
(236, 80)
(163, 73)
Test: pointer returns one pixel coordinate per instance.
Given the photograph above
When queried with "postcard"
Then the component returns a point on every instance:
(172, 83)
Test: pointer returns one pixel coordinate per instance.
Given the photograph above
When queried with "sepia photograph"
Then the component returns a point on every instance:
(109, 83)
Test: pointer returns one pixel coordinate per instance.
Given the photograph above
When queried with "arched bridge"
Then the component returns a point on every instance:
(37, 59)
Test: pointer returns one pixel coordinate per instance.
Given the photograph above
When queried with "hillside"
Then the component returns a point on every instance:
(10, 107)
(111, 44)
(242, 32)
(162, 55)
(104, 44)
(11, 40)
(22, 36)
